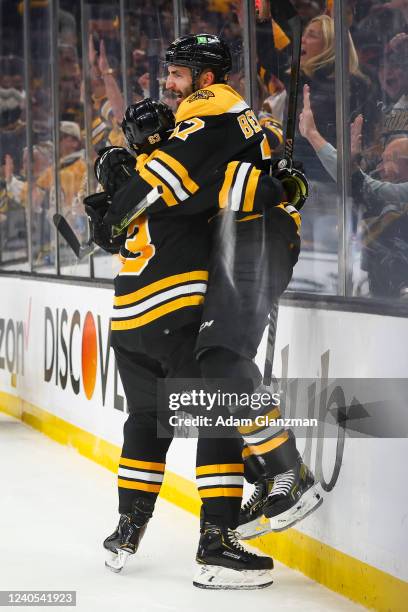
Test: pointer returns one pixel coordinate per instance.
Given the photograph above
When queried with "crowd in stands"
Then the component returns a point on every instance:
(96, 83)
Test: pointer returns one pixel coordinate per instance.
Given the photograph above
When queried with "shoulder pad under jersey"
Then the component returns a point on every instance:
(211, 101)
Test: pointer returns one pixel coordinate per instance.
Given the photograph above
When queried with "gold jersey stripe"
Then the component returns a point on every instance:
(223, 100)
(297, 219)
(141, 161)
(143, 465)
(221, 492)
(295, 215)
(261, 449)
(265, 148)
(275, 413)
(226, 186)
(96, 122)
(164, 283)
(276, 131)
(156, 313)
(140, 486)
(249, 218)
(153, 181)
(220, 468)
(96, 139)
(177, 168)
(250, 190)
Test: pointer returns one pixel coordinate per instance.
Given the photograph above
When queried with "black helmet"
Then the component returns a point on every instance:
(200, 51)
(146, 124)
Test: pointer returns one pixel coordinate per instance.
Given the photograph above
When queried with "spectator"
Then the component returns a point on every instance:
(12, 103)
(72, 168)
(318, 72)
(384, 199)
(108, 102)
(385, 222)
(394, 83)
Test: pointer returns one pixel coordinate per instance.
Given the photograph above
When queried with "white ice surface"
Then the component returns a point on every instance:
(56, 507)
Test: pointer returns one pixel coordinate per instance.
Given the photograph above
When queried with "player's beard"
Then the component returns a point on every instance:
(183, 94)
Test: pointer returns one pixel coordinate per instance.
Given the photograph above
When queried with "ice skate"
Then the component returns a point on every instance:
(280, 502)
(126, 538)
(225, 564)
(252, 522)
(294, 495)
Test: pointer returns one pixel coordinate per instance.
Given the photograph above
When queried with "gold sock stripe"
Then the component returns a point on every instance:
(266, 447)
(139, 486)
(156, 313)
(275, 413)
(220, 468)
(164, 283)
(221, 492)
(151, 466)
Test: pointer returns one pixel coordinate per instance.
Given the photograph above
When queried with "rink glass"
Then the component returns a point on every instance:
(355, 222)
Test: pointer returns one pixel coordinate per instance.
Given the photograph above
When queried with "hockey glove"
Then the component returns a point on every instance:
(114, 167)
(96, 206)
(293, 181)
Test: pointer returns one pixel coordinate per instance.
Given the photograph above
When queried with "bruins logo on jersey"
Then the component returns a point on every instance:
(201, 94)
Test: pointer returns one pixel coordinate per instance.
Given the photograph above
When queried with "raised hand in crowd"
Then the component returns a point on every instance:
(307, 125)
(8, 168)
(356, 138)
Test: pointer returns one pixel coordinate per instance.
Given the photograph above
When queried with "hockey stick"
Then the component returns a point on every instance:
(66, 231)
(288, 19)
(138, 210)
(82, 251)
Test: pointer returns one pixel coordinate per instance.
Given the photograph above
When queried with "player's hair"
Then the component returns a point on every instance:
(326, 57)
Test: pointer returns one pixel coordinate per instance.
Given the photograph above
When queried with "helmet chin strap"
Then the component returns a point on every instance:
(195, 75)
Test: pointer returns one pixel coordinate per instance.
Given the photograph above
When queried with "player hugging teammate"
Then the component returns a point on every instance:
(212, 246)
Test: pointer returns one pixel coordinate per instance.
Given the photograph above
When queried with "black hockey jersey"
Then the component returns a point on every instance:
(212, 160)
(214, 126)
(165, 257)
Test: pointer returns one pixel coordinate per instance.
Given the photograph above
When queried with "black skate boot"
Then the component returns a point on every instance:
(293, 496)
(126, 538)
(252, 522)
(279, 503)
(225, 564)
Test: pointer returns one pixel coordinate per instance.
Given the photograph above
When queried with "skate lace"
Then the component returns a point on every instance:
(283, 483)
(233, 540)
(253, 498)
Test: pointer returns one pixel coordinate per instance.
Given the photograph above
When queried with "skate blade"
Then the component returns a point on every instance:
(216, 577)
(117, 561)
(254, 529)
(308, 503)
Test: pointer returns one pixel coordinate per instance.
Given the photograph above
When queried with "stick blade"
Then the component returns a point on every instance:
(67, 233)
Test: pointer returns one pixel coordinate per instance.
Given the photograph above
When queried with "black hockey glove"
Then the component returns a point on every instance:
(114, 167)
(293, 181)
(96, 207)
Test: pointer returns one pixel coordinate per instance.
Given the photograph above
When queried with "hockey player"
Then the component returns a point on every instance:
(155, 325)
(207, 136)
(180, 174)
